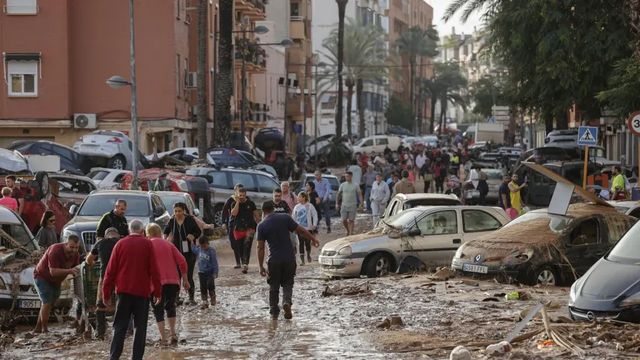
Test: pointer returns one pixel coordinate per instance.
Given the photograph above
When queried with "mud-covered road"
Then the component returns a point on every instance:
(436, 316)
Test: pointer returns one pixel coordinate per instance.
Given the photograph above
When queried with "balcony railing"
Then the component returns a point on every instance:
(253, 53)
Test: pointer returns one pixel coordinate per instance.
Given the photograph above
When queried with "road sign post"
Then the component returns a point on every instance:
(633, 123)
(587, 136)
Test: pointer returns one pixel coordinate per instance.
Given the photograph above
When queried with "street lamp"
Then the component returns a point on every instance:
(315, 113)
(117, 82)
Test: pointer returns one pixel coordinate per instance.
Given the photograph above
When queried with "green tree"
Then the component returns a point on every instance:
(398, 113)
(558, 53)
(414, 43)
(224, 77)
(486, 92)
(622, 95)
(362, 62)
(444, 86)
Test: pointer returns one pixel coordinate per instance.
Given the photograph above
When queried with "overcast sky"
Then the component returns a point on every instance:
(444, 28)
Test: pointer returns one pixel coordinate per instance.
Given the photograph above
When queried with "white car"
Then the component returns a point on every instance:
(627, 207)
(417, 238)
(107, 179)
(376, 144)
(170, 198)
(111, 149)
(17, 245)
(186, 154)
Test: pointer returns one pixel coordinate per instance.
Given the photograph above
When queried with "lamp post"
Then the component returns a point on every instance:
(116, 82)
(315, 113)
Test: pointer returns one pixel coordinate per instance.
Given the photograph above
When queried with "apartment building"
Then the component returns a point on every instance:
(57, 56)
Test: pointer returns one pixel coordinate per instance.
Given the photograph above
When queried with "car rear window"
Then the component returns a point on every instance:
(98, 205)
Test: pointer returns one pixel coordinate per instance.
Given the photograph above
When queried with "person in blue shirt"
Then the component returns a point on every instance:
(323, 188)
(207, 271)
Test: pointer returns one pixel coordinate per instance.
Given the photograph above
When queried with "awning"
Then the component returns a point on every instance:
(21, 56)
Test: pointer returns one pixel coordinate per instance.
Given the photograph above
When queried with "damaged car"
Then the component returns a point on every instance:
(19, 254)
(544, 248)
(416, 238)
(611, 288)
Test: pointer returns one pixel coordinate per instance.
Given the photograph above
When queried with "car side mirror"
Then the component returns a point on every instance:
(413, 232)
(73, 209)
(196, 212)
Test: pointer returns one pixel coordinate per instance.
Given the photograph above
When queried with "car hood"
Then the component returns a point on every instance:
(598, 284)
(85, 223)
(355, 239)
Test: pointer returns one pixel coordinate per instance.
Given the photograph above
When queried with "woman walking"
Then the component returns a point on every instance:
(182, 230)
(314, 199)
(47, 234)
(307, 217)
(514, 188)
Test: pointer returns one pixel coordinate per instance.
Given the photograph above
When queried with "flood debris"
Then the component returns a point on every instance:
(500, 348)
(350, 290)
(517, 295)
(393, 321)
(460, 353)
(443, 274)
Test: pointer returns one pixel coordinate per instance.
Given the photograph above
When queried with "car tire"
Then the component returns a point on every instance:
(217, 215)
(378, 265)
(117, 162)
(545, 276)
(42, 178)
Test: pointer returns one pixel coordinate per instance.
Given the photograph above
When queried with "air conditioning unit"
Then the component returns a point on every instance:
(84, 121)
(192, 80)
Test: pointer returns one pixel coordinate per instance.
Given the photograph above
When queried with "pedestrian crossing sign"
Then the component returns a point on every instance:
(588, 136)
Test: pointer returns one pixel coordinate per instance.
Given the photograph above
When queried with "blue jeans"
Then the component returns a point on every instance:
(367, 194)
(326, 212)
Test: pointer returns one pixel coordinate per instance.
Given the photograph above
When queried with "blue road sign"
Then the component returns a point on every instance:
(588, 136)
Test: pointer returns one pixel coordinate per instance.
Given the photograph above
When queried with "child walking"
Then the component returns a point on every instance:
(207, 271)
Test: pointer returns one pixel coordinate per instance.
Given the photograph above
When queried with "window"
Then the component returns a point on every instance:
(585, 233)
(267, 185)
(295, 9)
(478, 220)
(383, 141)
(246, 179)
(21, 7)
(439, 223)
(368, 143)
(220, 180)
(23, 77)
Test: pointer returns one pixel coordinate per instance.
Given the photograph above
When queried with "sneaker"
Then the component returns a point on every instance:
(309, 258)
(237, 266)
(245, 269)
(287, 311)
(204, 305)
(213, 300)
(328, 230)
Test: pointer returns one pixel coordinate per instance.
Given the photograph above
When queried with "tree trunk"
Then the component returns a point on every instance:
(561, 120)
(443, 114)
(349, 84)
(342, 5)
(434, 101)
(547, 117)
(360, 106)
(202, 77)
(224, 79)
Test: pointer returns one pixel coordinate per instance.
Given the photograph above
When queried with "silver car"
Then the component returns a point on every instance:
(420, 237)
(112, 149)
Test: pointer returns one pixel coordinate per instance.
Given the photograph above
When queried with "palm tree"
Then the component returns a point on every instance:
(342, 6)
(445, 86)
(224, 80)
(362, 62)
(414, 43)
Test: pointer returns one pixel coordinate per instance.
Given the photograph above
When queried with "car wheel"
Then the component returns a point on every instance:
(378, 265)
(545, 276)
(217, 215)
(117, 162)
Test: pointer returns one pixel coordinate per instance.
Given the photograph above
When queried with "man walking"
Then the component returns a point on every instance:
(133, 272)
(245, 217)
(114, 218)
(281, 264)
(379, 197)
(323, 188)
(280, 206)
(369, 177)
(349, 196)
(404, 186)
(59, 261)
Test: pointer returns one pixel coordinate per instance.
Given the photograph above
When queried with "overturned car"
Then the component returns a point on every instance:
(544, 248)
(19, 254)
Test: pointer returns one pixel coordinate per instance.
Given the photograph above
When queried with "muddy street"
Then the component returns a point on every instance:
(401, 316)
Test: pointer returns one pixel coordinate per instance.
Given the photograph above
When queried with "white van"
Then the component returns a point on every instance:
(377, 144)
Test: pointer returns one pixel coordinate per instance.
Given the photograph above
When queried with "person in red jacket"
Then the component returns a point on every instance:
(169, 258)
(133, 271)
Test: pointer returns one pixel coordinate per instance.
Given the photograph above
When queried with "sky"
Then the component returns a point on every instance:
(444, 28)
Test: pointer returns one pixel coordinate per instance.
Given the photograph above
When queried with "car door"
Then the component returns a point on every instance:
(391, 209)
(477, 222)
(439, 238)
(159, 211)
(584, 246)
(381, 144)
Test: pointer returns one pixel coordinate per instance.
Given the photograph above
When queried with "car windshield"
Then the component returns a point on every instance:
(18, 233)
(493, 174)
(98, 205)
(170, 200)
(628, 248)
(557, 223)
(404, 219)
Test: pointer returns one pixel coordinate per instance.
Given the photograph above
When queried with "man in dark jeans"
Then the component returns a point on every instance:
(275, 229)
(227, 223)
(245, 217)
(133, 271)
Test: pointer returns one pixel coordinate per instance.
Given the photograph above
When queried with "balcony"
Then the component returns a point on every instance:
(254, 9)
(254, 55)
(297, 28)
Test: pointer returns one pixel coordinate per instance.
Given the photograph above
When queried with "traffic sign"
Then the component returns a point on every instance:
(588, 136)
(633, 123)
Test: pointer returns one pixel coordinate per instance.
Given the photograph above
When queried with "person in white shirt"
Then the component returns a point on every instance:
(379, 196)
(420, 161)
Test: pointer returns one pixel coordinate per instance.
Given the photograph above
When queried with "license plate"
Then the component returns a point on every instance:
(481, 269)
(325, 261)
(29, 304)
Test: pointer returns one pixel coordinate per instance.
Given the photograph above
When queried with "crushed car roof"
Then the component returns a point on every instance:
(12, 162)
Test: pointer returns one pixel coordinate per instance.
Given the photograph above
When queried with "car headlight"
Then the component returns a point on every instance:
(66, 233)
(572, 293)
(345, 251)
(458, 254)
(3, 286)
(633, 300)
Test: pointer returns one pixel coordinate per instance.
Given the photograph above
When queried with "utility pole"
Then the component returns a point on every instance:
(201, 116)
(134, 98)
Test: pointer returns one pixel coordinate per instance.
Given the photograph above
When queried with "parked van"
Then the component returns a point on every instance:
(377, 144)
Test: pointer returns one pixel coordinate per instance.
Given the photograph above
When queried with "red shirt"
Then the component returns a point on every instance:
(9, 203)
(55, 258)
(132, 269)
